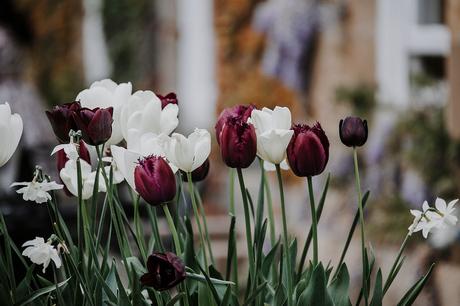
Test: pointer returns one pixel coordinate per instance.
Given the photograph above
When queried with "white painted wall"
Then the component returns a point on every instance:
(398, 37)
(196, 64)
(96, 60)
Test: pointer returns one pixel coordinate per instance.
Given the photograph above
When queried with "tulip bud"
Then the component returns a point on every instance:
(238, 142)
(243, 111)
(165, 271)
(308, 151)
(62, 121)
(170, 98)
(154, 180)
(353, 131)
(94, 124)
(198, 174)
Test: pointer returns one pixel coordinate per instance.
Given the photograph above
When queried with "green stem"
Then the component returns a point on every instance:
(138, 227)
(314, 221)
(205, 223)
(197, 218)
(232, 213)
(232, 191)
(285, 237)
(361, 219)
(172, 228)
(390, 277)
(154, 225)
(248, 226)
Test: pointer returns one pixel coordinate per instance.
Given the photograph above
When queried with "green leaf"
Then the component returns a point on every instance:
(231, 251)
(268, 259)
(123, 299)
(339, 287)
(41, 292)
(316, 292)
(256, 292)
(189, 254)
(412, 294)
(175, 299)
(377, 297)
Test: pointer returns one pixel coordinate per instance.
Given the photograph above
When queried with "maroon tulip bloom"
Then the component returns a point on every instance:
(308, 151)
(94, 124)
(199, 173)
(353, 131)
(243, 111)
(238, 142)
(155, 181)
(61, 160)
(170, 98)
(165, 271)
(61, 119)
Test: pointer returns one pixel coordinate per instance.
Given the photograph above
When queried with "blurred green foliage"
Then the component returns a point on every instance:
(361, 98)
(422, 141)
(128, 27)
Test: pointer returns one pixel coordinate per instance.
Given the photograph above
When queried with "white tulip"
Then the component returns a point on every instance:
(107, 93)
(188, 153)
(143, 112)
(69, 177)
(10, 132)
(36, 191)
(41, 253)
(273, 130)
(126, 162)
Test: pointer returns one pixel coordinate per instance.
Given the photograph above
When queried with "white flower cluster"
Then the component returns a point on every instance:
(41, 252)
(438, 217)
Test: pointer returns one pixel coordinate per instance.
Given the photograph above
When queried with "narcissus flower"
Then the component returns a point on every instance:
(188, 153)
(170, 98)
(104, 94)
(62, 121)
(154, 180)
(273, 130)
(41, 253)
(10, 132)
(308, 151)
(36, 191)
(69, 177)
(165, 271)
(199, 173)
(242, 111)
(353, 131)
(238, 142)
(94, 124)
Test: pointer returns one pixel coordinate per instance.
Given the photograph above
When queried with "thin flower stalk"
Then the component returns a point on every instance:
(314, 221)
(285, 237)
(205, 223)
(361, 218)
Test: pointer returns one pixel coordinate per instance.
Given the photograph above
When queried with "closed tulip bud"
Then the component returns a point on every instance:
(154, 180)
(308, 151)
(353, 131)
(165, 271)
(199, 173)
(238, 142)
(62, 121)
(243, 111)
(94, 124)
(170, 98)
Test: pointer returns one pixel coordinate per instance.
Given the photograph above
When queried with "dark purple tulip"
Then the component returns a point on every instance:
(61, 160)
(199, 173)
(308, 151)
(353, 131)
(170, 98)
(94, 124)
(165, 271)
(238, 142)
(61, 119)
(155, 181)
(243, 111)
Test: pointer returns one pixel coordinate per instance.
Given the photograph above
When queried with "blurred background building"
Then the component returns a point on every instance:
(396, 63)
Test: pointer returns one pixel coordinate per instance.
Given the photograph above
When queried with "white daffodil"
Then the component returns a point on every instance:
(188, 153)
(107, 93)
(144, 112)
(36, 191)
(41, 253)
(446, 212)
(273, 130)
(10, 132)
(117, 176)
(126, 162)
(70, 150)
(69, 177)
